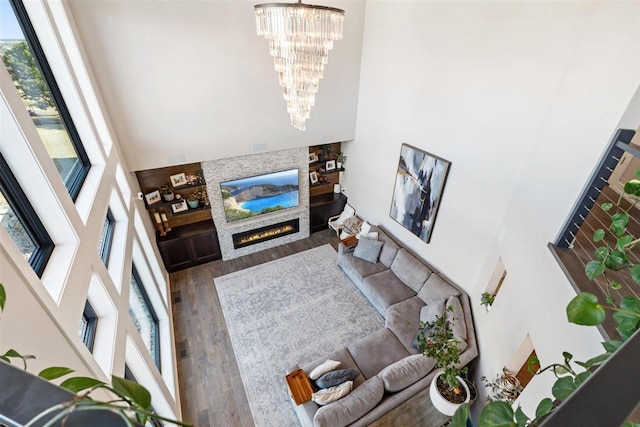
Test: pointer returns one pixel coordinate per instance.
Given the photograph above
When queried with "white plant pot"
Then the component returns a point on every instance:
(442, 404)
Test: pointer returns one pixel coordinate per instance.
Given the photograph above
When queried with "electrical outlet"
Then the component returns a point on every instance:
(139, 195)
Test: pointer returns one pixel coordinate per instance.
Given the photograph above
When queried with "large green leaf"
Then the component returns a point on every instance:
(544, 407)
(630, 424)
(497, 414)
(620, 219)
(595, 361)
(627, 324)
(3, 297)
(618, 259)
(563, 388)
(581, 377)
(631, 304)
(606, 206)
(632, 187)
(598, 235)
(521, 417)
(611, 345)
(133, 391)
(623, 241)
(584, 309)
(461, 416)
(54, 372)
(76, 384)
(601, 253)
(594, 269)
(635, 273)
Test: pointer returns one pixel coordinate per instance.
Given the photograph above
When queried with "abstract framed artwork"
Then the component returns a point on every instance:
(418, 190)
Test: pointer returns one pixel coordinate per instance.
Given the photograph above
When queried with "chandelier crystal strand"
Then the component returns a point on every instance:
(300, 37)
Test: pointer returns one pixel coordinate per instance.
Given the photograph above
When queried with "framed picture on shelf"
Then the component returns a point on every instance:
(330, 165)
(313, 157)
(178, 180)
(313, 176)
(180, 206)
(153, 197)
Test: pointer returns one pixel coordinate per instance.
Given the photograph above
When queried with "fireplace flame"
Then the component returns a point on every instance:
(266, 234)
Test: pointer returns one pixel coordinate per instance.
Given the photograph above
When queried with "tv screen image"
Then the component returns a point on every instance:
(248, 197)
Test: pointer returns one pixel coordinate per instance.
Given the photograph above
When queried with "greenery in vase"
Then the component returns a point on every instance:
(505, 387)
(131, 402)
(435, 340)
(166, 190)
(487, 299)
(342, 158)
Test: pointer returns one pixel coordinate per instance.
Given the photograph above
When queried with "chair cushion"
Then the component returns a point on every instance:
(376, 351)
(358, 269)
(405, 372)
(351, 407)
(435, 289)
(385, 289)
(412, 272)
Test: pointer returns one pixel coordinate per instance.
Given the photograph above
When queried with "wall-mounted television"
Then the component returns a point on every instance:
(248, 197)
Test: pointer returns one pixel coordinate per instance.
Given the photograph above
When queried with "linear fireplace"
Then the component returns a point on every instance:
(262, 234)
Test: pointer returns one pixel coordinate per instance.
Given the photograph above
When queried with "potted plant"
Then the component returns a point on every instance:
(487, 299)
(505, 387)
(167, 193)
(448, 390)
(194, 199)
(341, 160)
(324, 152)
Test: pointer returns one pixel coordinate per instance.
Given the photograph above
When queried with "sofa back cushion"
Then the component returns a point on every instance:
(436, 289)
(353, 406)
(456, 319)
(389, 249)
(405, 372)
(412, 272)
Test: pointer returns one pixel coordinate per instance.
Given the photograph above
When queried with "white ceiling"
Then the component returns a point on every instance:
(186, 81)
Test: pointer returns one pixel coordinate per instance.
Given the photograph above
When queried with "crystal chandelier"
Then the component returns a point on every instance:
(300, 38)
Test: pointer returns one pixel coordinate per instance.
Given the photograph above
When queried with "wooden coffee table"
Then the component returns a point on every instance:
(299, 386)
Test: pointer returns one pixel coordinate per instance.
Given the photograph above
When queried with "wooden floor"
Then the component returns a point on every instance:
(211, 391)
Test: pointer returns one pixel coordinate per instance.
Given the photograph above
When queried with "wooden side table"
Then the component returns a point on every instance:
(350, 241)
(417, 411)
(299, 386)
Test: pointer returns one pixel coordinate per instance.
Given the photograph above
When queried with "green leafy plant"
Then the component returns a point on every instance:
(505, 387)
(342, 158)
(131, 402)
(487, 299)
(166, 190)
(435, 340)
(325, 151)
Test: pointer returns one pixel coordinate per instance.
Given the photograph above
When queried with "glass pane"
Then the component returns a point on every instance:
(142, 316)
(12, 224)
(36, 96)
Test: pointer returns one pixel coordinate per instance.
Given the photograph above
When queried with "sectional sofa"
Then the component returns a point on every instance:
(391, 369)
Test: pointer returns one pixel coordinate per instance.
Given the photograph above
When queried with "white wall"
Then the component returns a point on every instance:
(187, 81)
(42, 316)
(522, 98)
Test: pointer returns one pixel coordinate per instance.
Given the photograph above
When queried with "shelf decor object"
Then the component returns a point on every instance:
(300, 37)
(418, 190)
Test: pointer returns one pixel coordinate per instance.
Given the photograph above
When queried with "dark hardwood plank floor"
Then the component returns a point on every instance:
(211, 391)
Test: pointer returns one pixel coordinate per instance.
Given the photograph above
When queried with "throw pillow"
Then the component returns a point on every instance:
(351, 407)
(456, 319)
(368, 249)
(325, 367)
(429, 312)
(331, 394)
(435, 288)
(334, 378)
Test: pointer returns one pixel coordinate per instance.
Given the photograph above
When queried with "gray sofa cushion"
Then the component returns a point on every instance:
(412, 272)
(385, 289)
(376, 351)
(405, 372)
(356, 268)
(368, 249)
(351, 407)
(435, 289)
(456, 319)
(389, 249)
(403, 319)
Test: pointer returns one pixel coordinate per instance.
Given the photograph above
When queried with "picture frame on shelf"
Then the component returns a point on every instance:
(313, 177)
(313, 157)
(180, 206)
(178, 180)
(330, 165)
(153, 197)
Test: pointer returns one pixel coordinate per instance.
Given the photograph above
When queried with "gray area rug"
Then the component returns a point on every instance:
(291, 310)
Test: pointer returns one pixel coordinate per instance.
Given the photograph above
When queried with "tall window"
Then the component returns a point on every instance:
(25, 60)
(106, 237)
(19, 219)
(88, 326)
(144, 316)
(128, 375)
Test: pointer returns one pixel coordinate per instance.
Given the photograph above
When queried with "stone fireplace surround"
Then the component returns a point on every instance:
(221, 170)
